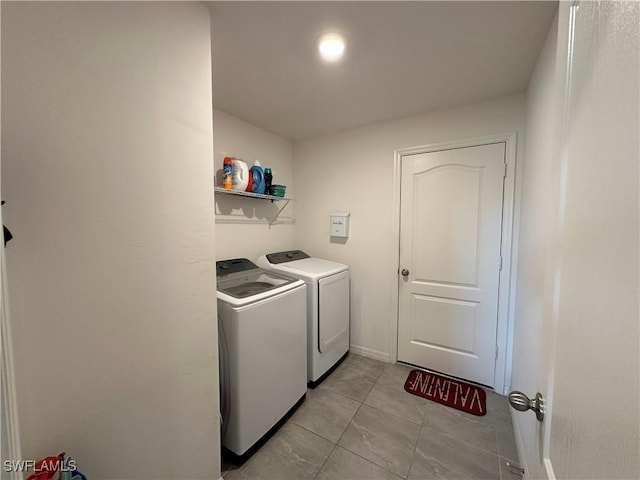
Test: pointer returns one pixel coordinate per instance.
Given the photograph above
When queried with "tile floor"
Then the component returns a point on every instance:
(361, 424)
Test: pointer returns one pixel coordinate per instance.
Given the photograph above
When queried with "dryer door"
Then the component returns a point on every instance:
(333, 312)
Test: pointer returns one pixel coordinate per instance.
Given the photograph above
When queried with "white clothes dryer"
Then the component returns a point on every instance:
(263, 342)
(327, 307)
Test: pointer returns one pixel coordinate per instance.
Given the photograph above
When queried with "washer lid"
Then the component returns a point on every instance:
(252, 283)
(311, 268)
(240, 282)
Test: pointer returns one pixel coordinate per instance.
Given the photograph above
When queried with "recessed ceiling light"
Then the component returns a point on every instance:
(331, 46)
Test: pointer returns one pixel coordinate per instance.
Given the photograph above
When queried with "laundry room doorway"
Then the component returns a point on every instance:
(455, 210)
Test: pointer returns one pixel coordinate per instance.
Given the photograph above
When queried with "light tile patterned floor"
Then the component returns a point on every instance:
(361, 424)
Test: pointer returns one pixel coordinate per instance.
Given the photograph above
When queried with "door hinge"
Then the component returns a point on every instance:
(505, 170)
(496, 352)
(500, 267)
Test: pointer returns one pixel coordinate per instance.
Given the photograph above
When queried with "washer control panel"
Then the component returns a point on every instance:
(235, 265)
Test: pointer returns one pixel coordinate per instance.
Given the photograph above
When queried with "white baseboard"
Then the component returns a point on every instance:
(546, 462)
(549, 469)
(519, 443)
(369, 353)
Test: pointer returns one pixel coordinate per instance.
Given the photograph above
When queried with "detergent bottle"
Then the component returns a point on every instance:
(227, 166)
(257, 178)
(240, 177)
(268, 178)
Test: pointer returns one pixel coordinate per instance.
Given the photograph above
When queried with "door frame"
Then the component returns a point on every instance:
(507, 286)
(8, 397)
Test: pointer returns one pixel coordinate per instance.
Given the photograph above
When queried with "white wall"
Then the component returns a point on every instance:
(107, 174)
(538, 228)
(353, 171)
(242, 228)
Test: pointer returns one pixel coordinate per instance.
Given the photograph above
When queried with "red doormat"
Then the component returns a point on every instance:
(453, 393)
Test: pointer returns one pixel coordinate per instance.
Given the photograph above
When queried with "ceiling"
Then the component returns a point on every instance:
(402, 59)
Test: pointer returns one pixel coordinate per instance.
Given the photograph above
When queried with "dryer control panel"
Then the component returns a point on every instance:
(288, 256)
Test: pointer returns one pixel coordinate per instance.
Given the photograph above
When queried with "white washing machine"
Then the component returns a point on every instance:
(263, 351)
(327, 307)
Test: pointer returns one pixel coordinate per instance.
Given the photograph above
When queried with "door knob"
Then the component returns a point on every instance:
(405, 272)
(522, 403)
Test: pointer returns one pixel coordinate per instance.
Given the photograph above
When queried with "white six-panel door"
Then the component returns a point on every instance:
(450, 232)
